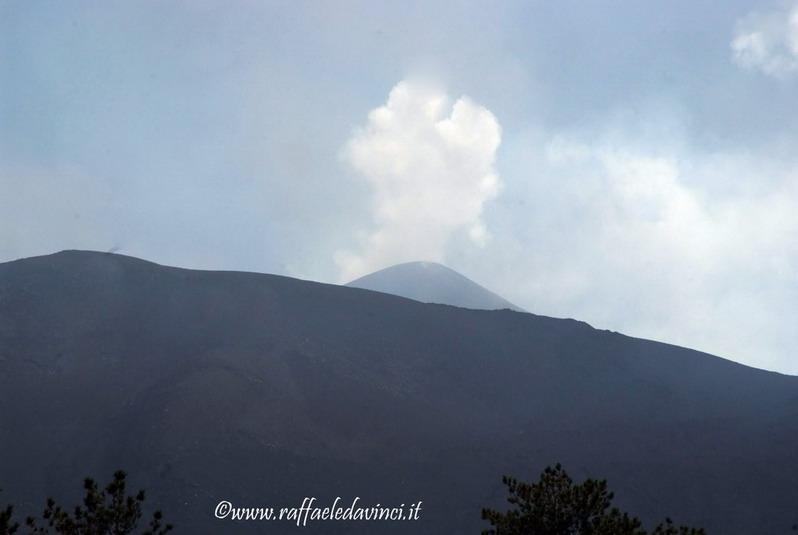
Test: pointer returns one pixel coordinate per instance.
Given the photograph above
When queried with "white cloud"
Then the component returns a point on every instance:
(430, 164)
(626, 226)
(658, 241)
(768, 42)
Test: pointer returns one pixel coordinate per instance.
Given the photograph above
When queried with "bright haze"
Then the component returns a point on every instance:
(631, 166)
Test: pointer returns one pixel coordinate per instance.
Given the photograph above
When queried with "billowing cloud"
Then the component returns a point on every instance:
(657, 240)
(430, 164)
(768, 42)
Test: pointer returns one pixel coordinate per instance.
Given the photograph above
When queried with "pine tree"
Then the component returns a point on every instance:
(108, 511)
(556, 506)
(7, 525)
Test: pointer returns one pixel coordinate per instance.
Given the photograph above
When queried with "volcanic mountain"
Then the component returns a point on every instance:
(430, 282)
(262, 390)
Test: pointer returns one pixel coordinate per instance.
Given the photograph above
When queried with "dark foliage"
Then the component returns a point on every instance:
(7, 524)
(108, 511)
(556, 506)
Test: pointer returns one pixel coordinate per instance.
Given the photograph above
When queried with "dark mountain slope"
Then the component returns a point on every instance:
(429, 282)
(262, 390)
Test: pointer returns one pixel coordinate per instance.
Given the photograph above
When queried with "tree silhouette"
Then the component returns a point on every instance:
(7, 525)
(108, 511)
(556, 506)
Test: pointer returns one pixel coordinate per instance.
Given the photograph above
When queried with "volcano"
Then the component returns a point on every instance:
(262, 390)
(430, 282)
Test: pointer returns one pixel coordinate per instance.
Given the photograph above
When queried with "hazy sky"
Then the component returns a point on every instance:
(631, 164)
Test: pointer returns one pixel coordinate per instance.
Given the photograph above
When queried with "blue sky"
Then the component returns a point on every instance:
(631, 164)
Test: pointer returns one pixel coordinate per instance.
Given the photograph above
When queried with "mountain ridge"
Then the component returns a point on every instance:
(263, 389)
(431, 282)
